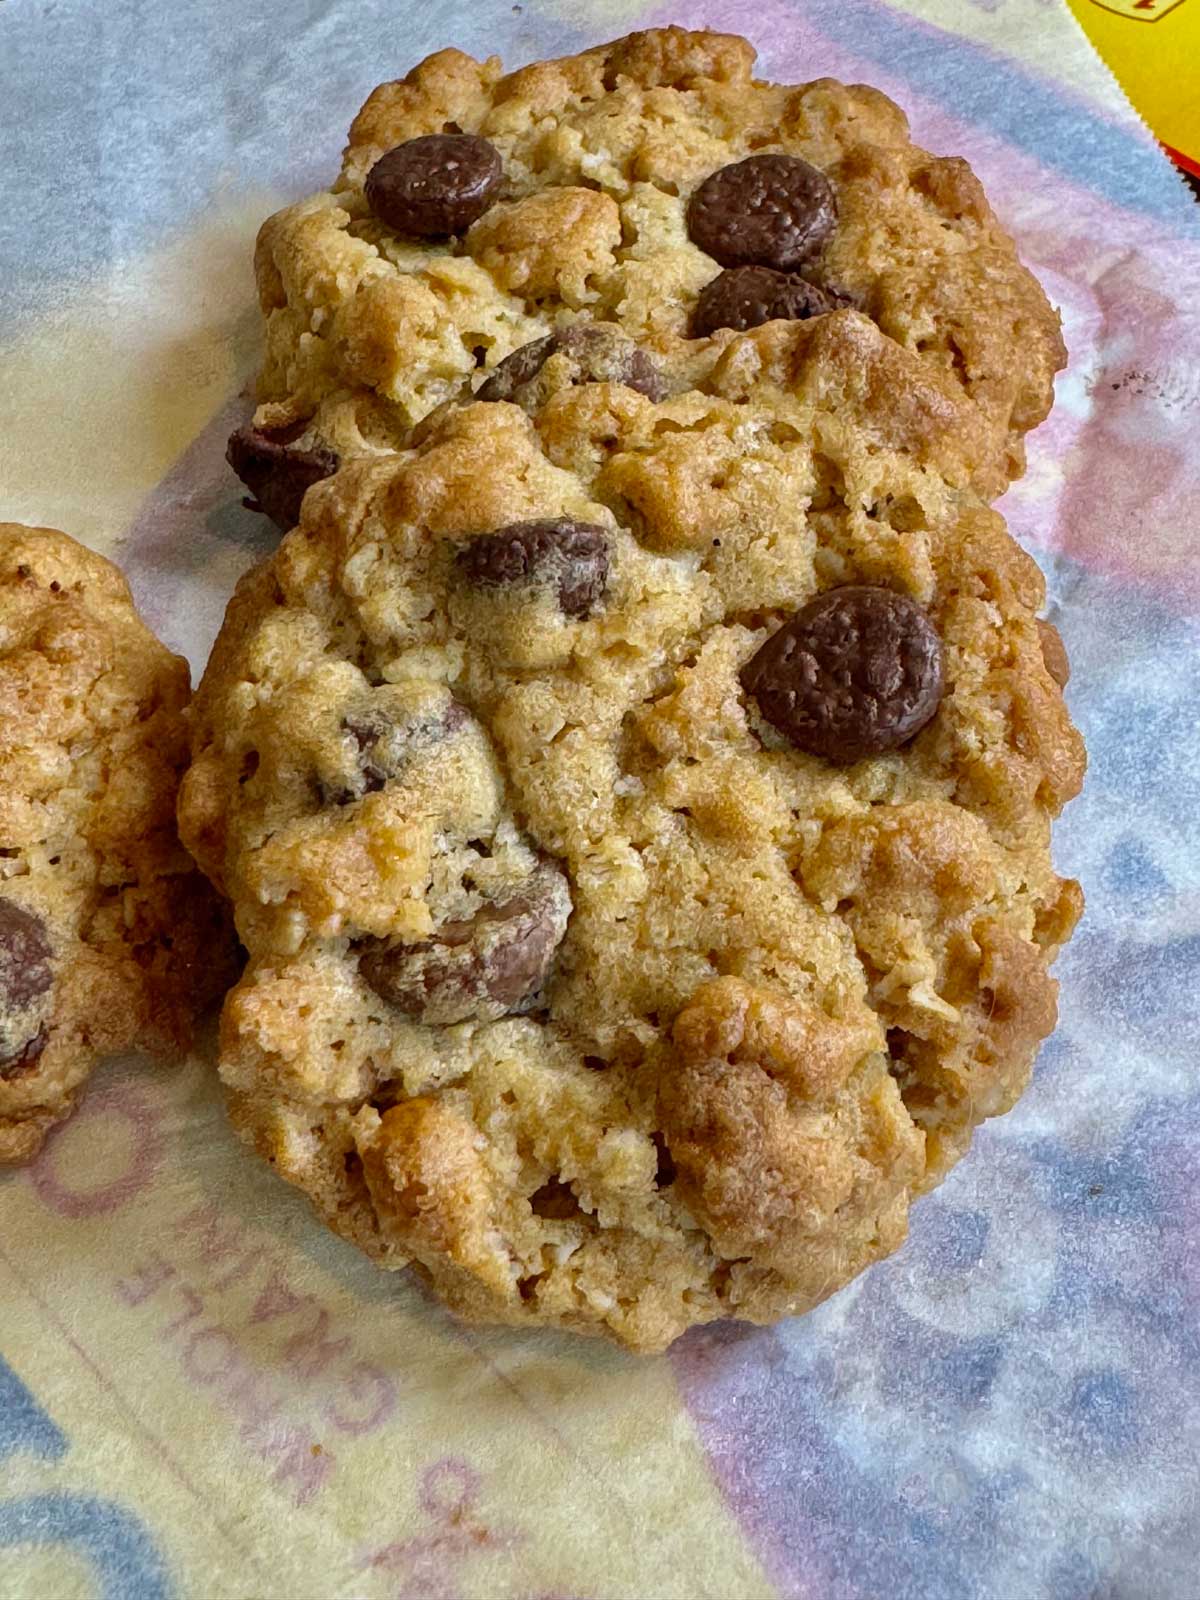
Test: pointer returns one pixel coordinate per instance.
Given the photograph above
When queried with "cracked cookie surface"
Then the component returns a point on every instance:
(621, 172)
(109, 937)
(574, 980)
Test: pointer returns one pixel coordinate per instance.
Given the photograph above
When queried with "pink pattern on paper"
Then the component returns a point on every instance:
(428, 1564)
(131, 1103)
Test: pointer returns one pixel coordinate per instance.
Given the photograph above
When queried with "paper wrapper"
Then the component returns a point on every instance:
(202, 1392)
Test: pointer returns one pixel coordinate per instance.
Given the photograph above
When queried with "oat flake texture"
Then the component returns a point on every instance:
(368, 328)
(572, 981)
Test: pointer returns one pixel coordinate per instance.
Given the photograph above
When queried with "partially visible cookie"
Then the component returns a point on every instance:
(652, 185)
(636, 809)
(109, 937)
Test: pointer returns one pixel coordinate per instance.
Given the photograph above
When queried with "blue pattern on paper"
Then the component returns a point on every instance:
(113, 1542)
(24, 1425)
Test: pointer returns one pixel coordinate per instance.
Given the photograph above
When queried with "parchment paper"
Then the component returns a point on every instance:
(202, 1394)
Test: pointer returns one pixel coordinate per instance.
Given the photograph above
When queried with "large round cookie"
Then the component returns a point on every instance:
(109, 937)
(652, 183)
(576, 977)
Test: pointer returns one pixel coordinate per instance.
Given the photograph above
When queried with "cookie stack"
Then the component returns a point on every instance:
(632, 775)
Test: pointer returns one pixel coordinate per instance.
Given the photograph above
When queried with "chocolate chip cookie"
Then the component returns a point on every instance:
(109, 937)
(636, 807)
(653, 187)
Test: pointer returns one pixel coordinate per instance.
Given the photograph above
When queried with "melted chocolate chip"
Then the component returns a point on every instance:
(25, 1060)
(857, 671)
(276, 472)
(25, 953)
(768, 210)
(598, 354)
(481, 967)
(385, 745)
(746, 297)
(518, 369)
(572, 557)
(1054, 653)
(435, 185)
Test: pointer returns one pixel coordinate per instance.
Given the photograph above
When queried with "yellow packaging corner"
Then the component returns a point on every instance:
(1153, 49)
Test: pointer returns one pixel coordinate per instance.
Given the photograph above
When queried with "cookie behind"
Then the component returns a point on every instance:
(641, 184)
(109, 938)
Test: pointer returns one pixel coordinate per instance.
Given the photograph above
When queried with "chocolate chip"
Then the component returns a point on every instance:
(597, 353)
(517, 369)
(435, 185)
(857, 671)
(25, 978)
(769, 210)
(25, 953)
(746, 297)
(481, 967)
(386, 744)
(600, 353)
(25, 1060)
(570, 556)
(276, 472)
(366, 732)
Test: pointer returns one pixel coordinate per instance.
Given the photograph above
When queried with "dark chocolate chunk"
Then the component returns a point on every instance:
(481, 967)
(768, 210)
(572, 557)
(746, 297)
(598, 353)
(435, 185)
(277, 473)
(857, 671)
